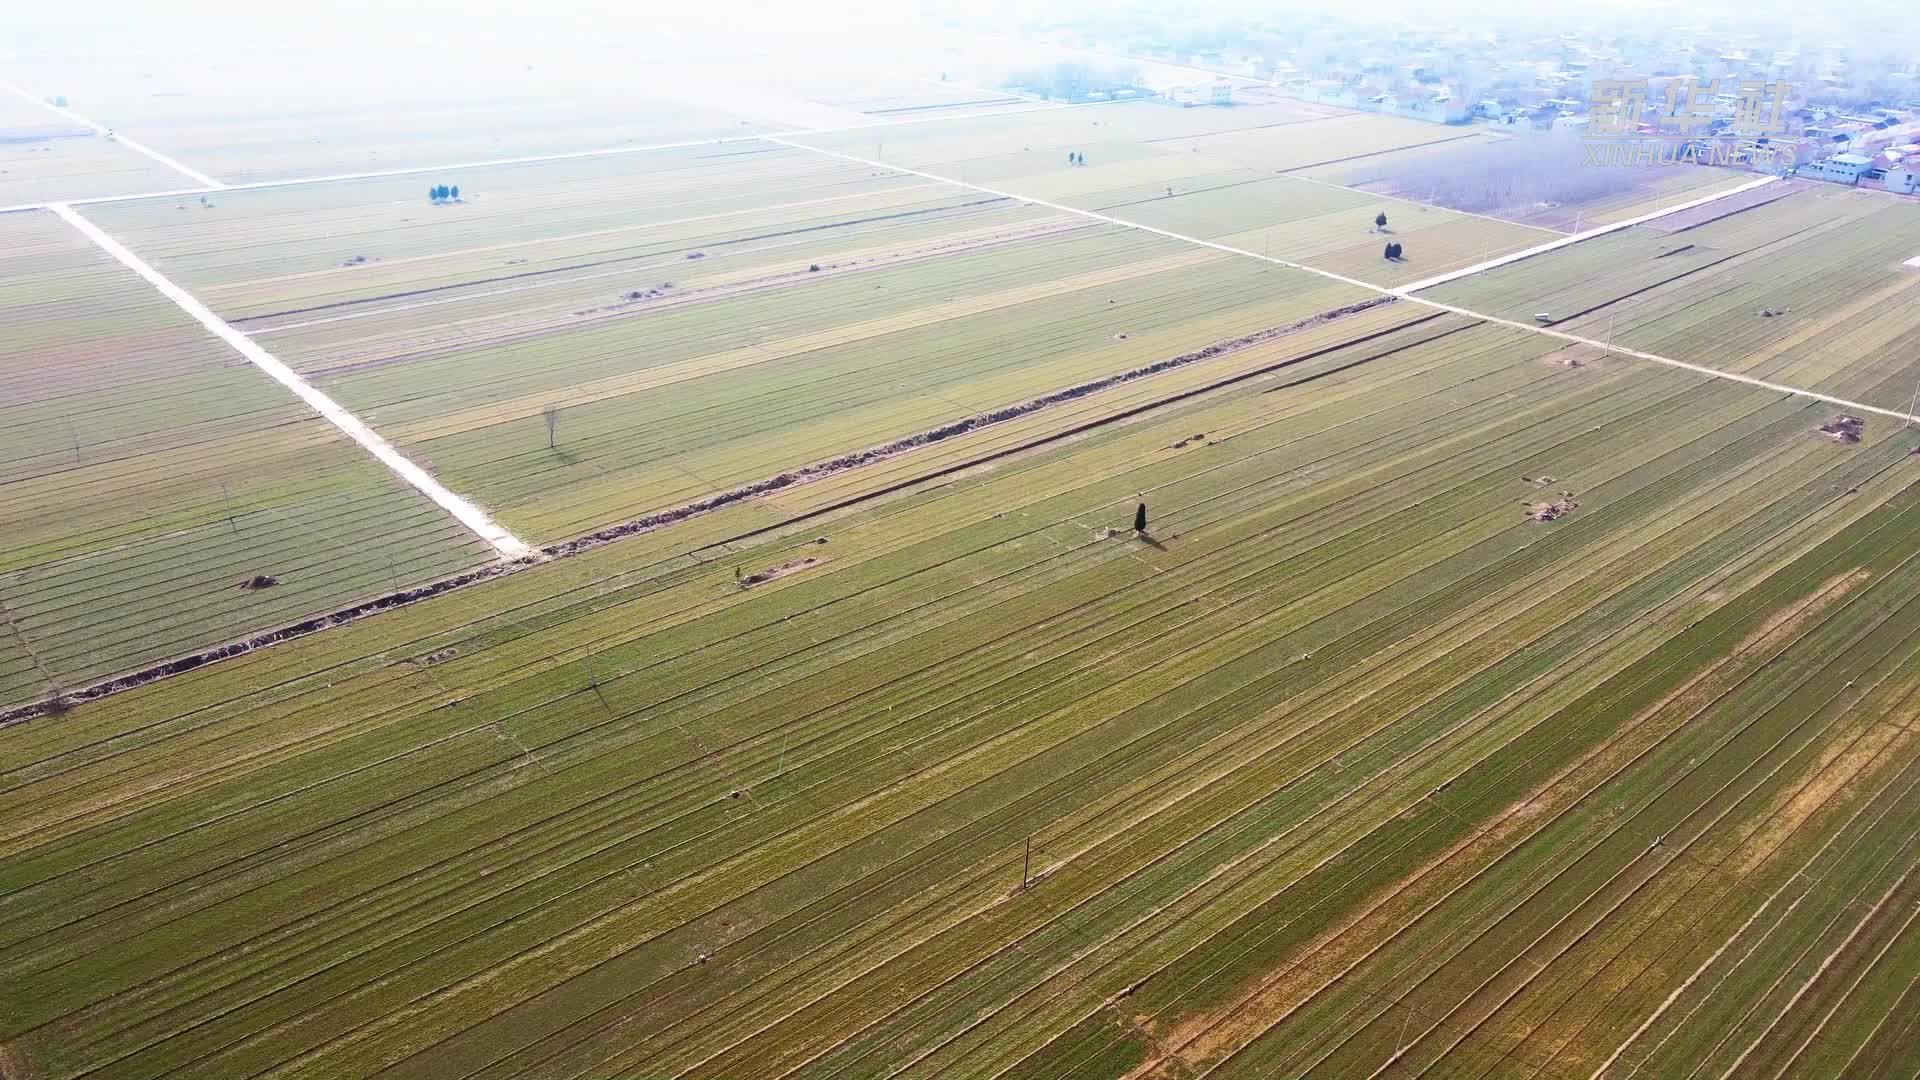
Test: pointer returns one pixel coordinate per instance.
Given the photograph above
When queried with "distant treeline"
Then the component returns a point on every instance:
(1073, 80)
(1514, 173)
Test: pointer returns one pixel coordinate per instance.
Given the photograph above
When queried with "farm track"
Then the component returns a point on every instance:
(131, 531)
(463, 511)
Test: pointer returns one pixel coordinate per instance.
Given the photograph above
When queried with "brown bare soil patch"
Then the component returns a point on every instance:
(1319, 961)
(1553, 509)
(1836, 771)
(1573, 359)
(13, 1064)
(1844, 428)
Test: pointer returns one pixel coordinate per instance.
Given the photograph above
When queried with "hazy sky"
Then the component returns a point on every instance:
(370, 45)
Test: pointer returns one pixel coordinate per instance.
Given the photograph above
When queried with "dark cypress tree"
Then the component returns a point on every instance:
(1381, 221)
(433, 194)
(454, 192)
(1140, 519)
(1388, 254)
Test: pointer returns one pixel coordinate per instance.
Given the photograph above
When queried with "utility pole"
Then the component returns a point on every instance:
(1026, 865)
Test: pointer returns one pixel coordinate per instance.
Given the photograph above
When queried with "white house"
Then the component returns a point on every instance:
(1838, 169)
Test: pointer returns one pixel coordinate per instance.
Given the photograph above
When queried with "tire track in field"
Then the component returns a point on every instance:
(1791, 624)
(1820, 971)
(1701, 834)
(1809, 888)
(1763, 842)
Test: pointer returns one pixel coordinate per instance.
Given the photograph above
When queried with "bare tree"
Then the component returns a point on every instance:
(1524, 175)
(552, 415)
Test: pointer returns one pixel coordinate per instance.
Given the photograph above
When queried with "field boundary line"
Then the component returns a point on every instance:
(1405, 292)
(1575, 238)
(486, 163)
(786, 139)
(210, 183)
(475, 519)
(1656, 358)
(660, 519)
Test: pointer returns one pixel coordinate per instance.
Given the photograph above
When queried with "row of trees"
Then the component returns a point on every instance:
(444, 193)
(1073, 80)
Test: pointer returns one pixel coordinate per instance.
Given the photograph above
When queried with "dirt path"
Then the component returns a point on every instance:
(1575, 238)
(508, 545)
(206, 182)
(1406, 291)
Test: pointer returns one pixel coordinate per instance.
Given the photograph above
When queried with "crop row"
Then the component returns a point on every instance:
(150, 472)
(961, 668)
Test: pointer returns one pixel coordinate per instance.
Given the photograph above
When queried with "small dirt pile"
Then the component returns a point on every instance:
(1844, 428)
(763, 576)
(1555, 509)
